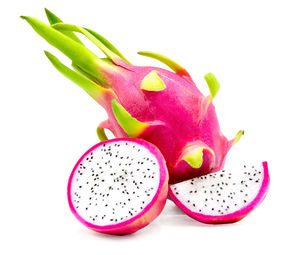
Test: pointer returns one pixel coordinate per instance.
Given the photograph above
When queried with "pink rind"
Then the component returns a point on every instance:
(148, 214)
(187, 118)
(232, 217)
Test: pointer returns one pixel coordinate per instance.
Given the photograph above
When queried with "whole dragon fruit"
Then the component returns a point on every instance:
(163, 107)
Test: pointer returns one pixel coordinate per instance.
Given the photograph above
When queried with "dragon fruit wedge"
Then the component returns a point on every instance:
(223, 197)
(118, 186)
(162, 107)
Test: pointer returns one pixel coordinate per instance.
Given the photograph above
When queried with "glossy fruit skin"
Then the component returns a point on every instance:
(163, 107)
(177, 119)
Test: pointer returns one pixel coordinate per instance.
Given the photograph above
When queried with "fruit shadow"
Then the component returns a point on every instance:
(115, 237)
(173, 216)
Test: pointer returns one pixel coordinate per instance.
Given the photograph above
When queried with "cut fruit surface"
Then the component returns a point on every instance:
(118, 186)
(222, 197)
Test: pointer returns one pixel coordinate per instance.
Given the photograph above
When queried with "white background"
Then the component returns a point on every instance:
(253, 47)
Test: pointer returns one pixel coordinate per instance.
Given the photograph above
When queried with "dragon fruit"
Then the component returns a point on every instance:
(118, 186)
(223, 197)
(162, 107)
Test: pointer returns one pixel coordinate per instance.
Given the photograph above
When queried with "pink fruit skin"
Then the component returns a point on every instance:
(232, 217)
(150, 212)
(186, 117)
(180, 108)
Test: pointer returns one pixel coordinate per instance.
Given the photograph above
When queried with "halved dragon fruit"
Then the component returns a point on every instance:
(223, 197)
(118, 186)
(165, 108)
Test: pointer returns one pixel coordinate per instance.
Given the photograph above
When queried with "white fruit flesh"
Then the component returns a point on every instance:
(221, 193)
(114, 182)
